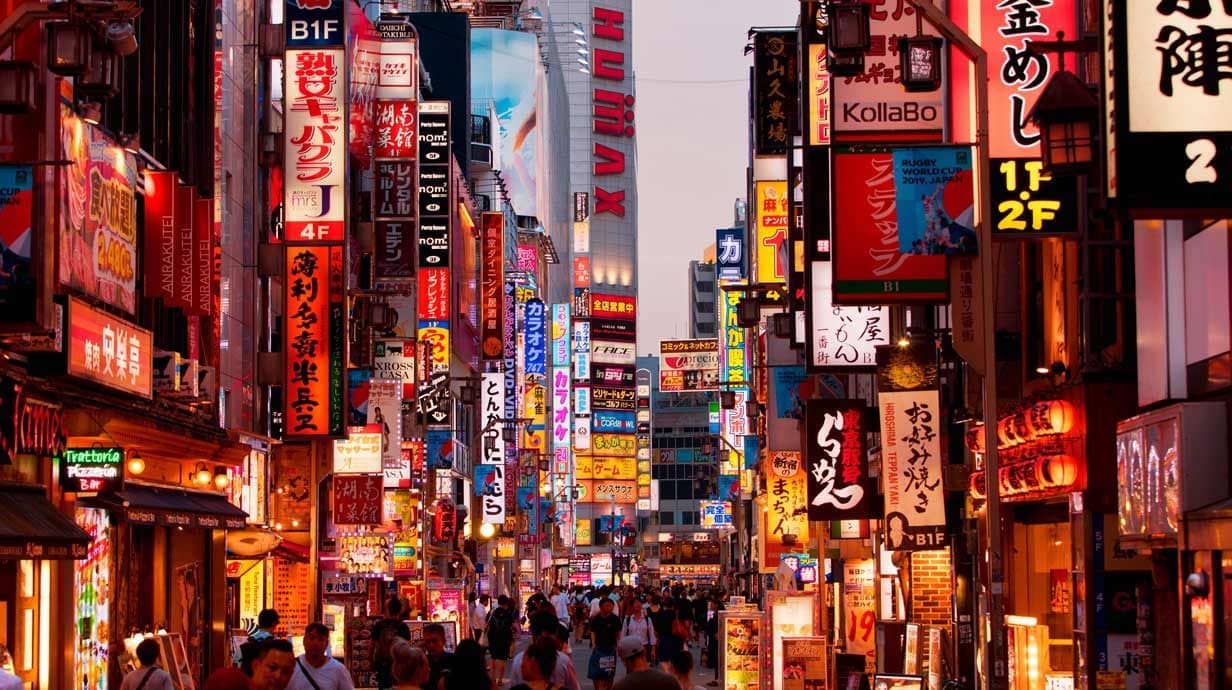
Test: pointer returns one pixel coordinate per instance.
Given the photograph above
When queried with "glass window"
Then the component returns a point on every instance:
(689, 517)
(667, 517)
(684, 489)
(667, 490)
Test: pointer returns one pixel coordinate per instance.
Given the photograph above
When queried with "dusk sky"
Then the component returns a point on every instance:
(692, 140)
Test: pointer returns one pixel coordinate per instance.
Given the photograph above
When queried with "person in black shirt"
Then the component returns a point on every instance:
(439, 661)
(604, 631)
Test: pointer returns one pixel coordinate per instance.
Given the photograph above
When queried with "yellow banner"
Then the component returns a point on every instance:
(614, 445)
(590, 467)
(784, 525)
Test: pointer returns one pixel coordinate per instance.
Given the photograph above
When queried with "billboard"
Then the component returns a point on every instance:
(729, 253)
(98, 215)
(843, 336)
(491, 282)
(688, 365)
(109, 351)
(836, 461)
(505, 69)
(868, 266)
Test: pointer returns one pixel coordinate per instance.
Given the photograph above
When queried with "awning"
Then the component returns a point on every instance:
(147, 505)
(31, 527)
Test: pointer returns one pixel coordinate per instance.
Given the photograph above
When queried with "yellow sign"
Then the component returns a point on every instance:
(589, 467)
(604, 490)
(771, 214)
(581, 535)
(614, 445)
(786, 508)
(536, 410)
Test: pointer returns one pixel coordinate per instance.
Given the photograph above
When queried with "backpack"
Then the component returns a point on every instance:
(500, 624)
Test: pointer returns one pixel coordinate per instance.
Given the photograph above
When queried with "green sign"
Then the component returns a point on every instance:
(91, 470)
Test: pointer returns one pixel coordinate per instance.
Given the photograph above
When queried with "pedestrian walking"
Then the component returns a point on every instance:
(638, 673)
(544, 663)
(150, 676)
(639, 627)
(682, 670)
(604, 633)
(410, 667)
(314, 669)
(468, 671)
(272, 665)
(500, 632)
(478, 614)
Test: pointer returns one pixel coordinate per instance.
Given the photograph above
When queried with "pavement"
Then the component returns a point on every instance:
(580, 652)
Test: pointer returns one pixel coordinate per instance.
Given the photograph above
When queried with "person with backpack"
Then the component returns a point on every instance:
(500, 633)
(316, 670)
(638, 627)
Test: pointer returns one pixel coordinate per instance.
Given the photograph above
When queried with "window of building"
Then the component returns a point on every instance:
(667, 517)
(689, 517)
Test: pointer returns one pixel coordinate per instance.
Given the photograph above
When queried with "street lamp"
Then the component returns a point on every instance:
(920, 60)
(850, 27)
(1066, 115)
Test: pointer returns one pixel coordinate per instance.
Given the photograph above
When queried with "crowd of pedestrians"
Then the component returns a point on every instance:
(651, 632)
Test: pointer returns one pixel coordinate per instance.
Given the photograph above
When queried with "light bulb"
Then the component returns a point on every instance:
(135, 464)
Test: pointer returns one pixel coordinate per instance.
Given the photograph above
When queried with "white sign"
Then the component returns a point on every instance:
(315, 118)
(358, 453)
(581, 237)
(610, 352)
(394, 360)
(492, 409)
(1178, 59)
(399, 71)
(844, 336)
(912, 470)
(875, 100)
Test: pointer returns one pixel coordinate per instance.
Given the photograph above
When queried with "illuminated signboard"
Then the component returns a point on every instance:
(491, 282)
(775, 90)
(109, 351)
(716, 514)
(688, 365)
(771, 235)
(1027, 201)
(313, 341)
(315, 109)
(91, 470)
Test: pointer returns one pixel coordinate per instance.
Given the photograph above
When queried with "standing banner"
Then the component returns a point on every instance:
(740, 642)
(805, 663)
(908, 403)
(786, 615)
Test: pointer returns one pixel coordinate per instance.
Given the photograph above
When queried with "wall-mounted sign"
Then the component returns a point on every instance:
(868, 265)
(359, 452)
(315, 379)
(817, 95)
(490, 490)
(605, 306)
(536, 347)
(109, 351)
(688, 365)
(315, 107)
(770, 238)
(786, 515)
(435, 185)
(28, 425)
(1173, 139)
(715, 514)
(609, 352)
(1027, 201)
(843, 336)
(729, 253)
(314, 22)
(91, 470)
(839, 486)
(776, 77)
(491, 282)
(357, 499)
(397, 129)
(611, 399)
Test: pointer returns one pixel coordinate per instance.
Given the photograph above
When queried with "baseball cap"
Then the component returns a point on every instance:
(629, 647)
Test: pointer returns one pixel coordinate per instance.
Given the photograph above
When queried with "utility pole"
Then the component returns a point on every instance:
(995, 671)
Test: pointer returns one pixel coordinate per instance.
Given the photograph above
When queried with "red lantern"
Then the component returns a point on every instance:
(444, 521)
(976, 485)
(1058, 471)
(1050, 418)
(975, 439)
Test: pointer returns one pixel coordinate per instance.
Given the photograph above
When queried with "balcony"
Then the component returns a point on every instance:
(481, 142)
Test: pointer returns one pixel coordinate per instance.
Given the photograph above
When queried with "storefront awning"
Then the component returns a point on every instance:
(31, 527)
(147, 505)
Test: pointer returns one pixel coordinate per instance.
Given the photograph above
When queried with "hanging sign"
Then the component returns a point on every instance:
(775, 90)
(843, 336)
(314, 202)
(313, 341)
(357, 499)
(491, 282)
(91, 470)
(839, 485)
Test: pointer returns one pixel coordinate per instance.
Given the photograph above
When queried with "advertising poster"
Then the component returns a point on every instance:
(313, 341)
(16, 213)
(934, 195)
(805, 663)
(771, 236)
(365, 554)
(740, 641)
(860, 607)
(869, 267)
(98, 215)
(504, 72)
(315, 96)
(385, 416)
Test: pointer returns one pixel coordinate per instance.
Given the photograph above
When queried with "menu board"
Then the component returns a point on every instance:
(359, 650)
(860, 606)
(804, 663)
(740, 652)
(787, 615)
(451, 632)
(290, 596)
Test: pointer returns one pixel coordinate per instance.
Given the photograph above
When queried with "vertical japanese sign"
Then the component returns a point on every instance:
(771, 231)
(491, 491)
(491, 282)
(729, 253)
(843, 336)
(734, 369)
(313, 341)
(868, 265)
(316, 114)
(434, 211)
(159, 239)
(396, 149)
(860, 603)
(509, 371)
(786, 512)
(493, 450)
(562, 421)
(535, 363)
(775, 90)
(818, 95)
(911, 463)
(561, 330)
(839, 486)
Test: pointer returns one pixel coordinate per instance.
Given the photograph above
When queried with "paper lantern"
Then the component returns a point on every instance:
(1058, 471)
(1050, 418)
(975, 439)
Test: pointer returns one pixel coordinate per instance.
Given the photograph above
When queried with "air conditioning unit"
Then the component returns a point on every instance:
(167, 372)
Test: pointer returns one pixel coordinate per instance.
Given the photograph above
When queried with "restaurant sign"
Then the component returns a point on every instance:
(91, 470)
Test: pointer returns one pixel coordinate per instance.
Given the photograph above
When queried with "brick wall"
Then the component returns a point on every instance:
(930, 587)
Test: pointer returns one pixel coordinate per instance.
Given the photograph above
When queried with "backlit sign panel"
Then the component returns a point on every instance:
(109, 351)
(315, 108)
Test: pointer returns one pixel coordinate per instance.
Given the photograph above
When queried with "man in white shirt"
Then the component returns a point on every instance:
(479, 615)
(560, 602)
(150, 676)
(314, 670)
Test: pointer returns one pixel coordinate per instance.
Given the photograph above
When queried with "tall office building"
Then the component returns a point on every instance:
(703, 291)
